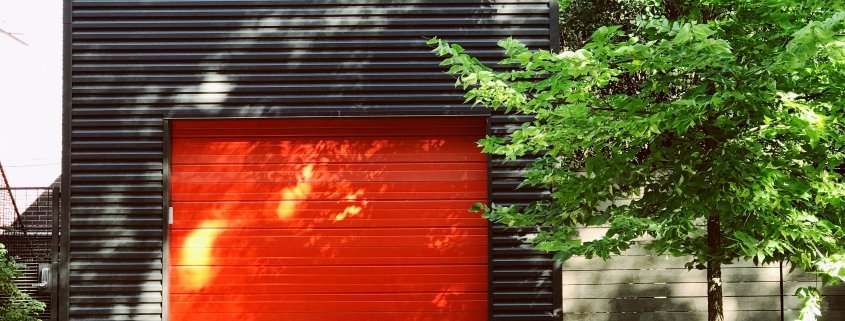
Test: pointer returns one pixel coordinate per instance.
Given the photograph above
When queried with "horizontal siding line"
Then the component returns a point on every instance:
(116, 178)
(328, 227)
(288, 3)
(98, 233)
(150, 110)
(175, 78)
(300, 44)
(108, 166)
(116, 124)
(115, 215)
(213, 99)
(256, 55)
(492, 33)
(275, 111)
(111, 134)
(124, 188)
(167, 89)
(430, 10)
(151, 298)
(297, 23)
(223, 67)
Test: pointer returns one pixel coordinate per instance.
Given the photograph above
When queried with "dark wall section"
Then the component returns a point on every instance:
(526, 284)
(133, 63)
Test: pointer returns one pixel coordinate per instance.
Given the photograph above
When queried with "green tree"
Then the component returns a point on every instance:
(721, 119)
(14, 304)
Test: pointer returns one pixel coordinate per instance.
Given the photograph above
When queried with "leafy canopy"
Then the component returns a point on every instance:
(732, 109)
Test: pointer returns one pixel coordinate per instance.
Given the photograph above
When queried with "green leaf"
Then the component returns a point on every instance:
(683, 34)
(477, 207)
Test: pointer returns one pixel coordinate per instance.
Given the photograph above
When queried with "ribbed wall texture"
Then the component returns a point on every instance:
(522, 282)
(640, 286)
(132, 63)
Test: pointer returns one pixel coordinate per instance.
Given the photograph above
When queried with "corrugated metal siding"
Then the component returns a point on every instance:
(524, 286)
(246, 58)
(133, 63)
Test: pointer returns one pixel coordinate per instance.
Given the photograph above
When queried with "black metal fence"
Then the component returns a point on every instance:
(29, 230)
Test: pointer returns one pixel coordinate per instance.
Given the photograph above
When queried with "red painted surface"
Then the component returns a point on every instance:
(328, 219)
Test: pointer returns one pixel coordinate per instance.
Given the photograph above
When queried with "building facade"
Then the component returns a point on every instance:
(290, 160)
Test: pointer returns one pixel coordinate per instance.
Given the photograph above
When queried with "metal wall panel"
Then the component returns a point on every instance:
(131, 64)
(525, 283)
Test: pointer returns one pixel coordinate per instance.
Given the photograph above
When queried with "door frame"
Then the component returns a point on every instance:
(167, 126)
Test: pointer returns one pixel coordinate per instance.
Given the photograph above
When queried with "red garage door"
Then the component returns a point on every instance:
(328, 219)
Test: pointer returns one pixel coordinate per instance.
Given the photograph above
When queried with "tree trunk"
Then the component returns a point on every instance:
(714, 270)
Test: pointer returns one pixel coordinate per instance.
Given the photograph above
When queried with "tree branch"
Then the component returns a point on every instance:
(12, 35)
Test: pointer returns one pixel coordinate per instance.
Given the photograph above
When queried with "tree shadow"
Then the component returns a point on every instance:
(641, 286)
(134, 65)
(290, 214)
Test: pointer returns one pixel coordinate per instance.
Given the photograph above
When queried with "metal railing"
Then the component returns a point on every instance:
(29, 228)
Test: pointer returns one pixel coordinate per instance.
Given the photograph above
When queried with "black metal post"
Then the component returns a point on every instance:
(54, 256)
(780, 271)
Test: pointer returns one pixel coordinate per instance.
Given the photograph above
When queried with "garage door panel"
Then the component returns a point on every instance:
(324, 192)
(344, 261)
(299, 306)
(328, 149)
(374, 131)
(326, 241)
(341, 127)
(328, 214)
(348, 316)
(297, 195)
(328, 190)
(342, 232)
(257, 158)
(331, 250)
(315, 175)
(326, 167)
(338, 213)
(363, 280)
(317, 205)
(227, 271)
(322, 219)
(372, 188)
(320, 297)
(363, 289)
(328, 223)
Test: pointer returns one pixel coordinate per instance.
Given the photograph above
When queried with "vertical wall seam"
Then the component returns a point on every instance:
(165, 222)
(63, 287)
(554, 25)
(489, 228)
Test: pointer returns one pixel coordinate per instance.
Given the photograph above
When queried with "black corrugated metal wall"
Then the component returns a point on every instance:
(131, 64)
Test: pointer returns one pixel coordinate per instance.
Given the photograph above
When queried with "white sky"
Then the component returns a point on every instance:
(31, 92)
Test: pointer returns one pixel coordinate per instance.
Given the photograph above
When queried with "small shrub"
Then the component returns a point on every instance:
(14, 304)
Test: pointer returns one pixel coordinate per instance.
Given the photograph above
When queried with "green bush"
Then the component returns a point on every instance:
(14, 304)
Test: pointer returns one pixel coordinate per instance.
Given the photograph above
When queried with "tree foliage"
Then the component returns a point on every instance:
(720, 109)
(580, 18)
(14, 304)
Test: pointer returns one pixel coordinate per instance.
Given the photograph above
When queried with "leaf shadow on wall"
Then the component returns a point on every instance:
(238, 60)
(351, 220)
